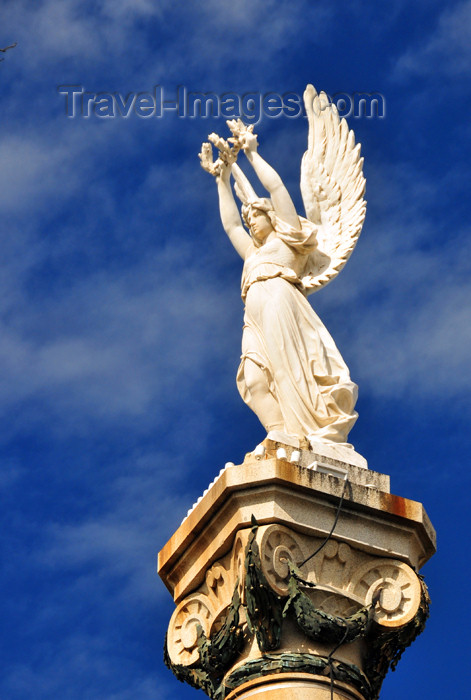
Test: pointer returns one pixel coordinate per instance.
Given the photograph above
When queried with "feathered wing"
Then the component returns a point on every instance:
(332, 187)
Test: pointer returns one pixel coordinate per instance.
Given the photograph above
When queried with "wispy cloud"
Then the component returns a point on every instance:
(76, 37)
(120, 314)
(84, 639)
(407, 287)
(81, 666)
(52, 30)
(445, 52)
(114, 550)
(112, 348)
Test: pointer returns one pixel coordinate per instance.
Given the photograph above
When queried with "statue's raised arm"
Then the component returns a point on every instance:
(291, 373)
(271, 181)
(221, 170)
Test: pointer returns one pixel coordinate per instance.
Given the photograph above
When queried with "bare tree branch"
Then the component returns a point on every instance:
(7, 48)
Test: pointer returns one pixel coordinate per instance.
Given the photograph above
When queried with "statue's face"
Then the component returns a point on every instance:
(260, 224)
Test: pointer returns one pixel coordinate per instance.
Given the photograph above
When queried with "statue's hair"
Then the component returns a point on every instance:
(262, 203)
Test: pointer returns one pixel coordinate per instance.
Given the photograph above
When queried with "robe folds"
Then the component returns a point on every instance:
(283, 335)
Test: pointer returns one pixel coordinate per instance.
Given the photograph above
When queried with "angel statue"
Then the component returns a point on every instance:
(291, 373)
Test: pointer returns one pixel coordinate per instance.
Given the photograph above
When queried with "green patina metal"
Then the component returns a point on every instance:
(385, 648)
(263, 605)
(300, 663)
(319, 625)
(264, 613)
(217, 654)
(193, 675)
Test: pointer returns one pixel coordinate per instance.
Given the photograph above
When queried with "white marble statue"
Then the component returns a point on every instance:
(291, 373)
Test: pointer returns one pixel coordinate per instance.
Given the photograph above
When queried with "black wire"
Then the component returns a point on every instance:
(329, 660)
(332, 528)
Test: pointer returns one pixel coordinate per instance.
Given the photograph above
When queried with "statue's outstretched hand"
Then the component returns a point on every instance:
(226, 152)
(249, 142)
(223, 171)
(243, 136)
(227, 155)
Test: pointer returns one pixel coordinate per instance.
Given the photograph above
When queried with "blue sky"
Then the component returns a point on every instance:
(120, 311)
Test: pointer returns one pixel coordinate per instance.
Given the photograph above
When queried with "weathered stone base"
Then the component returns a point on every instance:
(257, 613)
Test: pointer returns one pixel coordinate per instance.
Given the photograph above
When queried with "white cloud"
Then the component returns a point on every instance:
(137, 342)
(137, 321)
(403, 301)
(34, 168)
(129, 312)
(119, 545)
(267, 17)
(78, 36)
(58, 29)
(81, 665)
(447, 51)
(163, 320)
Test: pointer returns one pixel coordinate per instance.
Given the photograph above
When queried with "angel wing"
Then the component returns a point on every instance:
(332, 187)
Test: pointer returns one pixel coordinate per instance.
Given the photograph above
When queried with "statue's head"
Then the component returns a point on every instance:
(260, 217)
